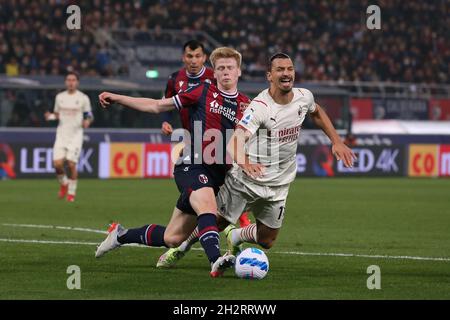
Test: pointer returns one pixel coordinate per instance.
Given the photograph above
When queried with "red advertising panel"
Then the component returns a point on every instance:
(361, 109)
(444, 160)
(440, 109)
(158, 162)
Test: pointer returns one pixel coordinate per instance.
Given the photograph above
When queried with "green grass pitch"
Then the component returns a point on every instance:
(362, 216)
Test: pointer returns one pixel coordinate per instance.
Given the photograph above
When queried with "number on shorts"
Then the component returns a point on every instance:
(281, 212)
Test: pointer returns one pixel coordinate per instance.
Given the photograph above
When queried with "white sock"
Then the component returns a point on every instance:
(72, 187)
(187, 244)
(246, 234)
(62, 179)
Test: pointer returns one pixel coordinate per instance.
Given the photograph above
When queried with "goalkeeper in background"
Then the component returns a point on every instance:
(73, 111)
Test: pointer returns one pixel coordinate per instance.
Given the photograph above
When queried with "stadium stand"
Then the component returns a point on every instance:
(119, 41)
(328, 39)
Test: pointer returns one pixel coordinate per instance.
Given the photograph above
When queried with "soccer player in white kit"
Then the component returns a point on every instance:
(264, 147)
(73, 110)
(266, 165)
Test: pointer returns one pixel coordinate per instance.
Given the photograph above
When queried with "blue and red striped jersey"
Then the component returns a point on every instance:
(181, 80)
(210, 108)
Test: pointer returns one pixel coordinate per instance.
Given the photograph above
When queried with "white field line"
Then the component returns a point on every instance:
(347, 255)
(65, 242)
(41, 226)
(47, 241)
(362, 256)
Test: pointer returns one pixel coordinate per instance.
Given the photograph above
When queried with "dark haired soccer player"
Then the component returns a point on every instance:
(73, 110)
(212, 111)
(275, 116)
(192, 74)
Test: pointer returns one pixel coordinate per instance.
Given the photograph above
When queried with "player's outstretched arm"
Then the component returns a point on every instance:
(141, 104)
(236, 149)
(339, 149)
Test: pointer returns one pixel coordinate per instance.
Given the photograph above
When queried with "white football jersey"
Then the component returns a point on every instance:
(275, 130)
(71, 108)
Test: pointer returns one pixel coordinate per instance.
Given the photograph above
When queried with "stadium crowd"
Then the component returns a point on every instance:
(328, 39)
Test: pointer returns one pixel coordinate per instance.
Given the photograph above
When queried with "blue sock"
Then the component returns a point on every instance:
(209, 235)
(151, 235)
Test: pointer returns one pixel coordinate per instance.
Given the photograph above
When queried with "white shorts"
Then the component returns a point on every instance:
(67, 151)
(267, 203)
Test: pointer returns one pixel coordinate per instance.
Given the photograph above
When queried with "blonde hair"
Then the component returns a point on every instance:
(225, 52)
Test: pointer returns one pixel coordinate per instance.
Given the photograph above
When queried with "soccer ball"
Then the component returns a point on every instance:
(251, 263)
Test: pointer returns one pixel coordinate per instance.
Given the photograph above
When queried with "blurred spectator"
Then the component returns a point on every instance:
(12, 67)
(20, 116)
(6, 106)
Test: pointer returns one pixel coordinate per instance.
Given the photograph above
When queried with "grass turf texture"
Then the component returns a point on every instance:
(398, 217)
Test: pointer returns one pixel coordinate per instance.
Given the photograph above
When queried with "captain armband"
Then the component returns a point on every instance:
(88, 116)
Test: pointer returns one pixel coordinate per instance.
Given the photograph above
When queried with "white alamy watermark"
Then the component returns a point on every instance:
(374, 280)
(374, 19)
(74, 280)
(73, 22)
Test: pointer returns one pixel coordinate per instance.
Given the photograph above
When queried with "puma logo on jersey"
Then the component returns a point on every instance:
(215, 95)
(180, 83)
(300, 111)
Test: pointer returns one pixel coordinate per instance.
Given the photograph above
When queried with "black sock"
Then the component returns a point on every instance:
(209, 235)
(151, 235)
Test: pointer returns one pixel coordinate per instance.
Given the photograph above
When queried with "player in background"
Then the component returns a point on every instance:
(73, 111)
(212, 107)
(192, 74)
(260, 181)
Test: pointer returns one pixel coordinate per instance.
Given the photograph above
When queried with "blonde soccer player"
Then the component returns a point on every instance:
(264, 147)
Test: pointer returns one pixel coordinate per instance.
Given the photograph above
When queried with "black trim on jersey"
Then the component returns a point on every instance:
(177, 102)
(198, 75)
(228, 95)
